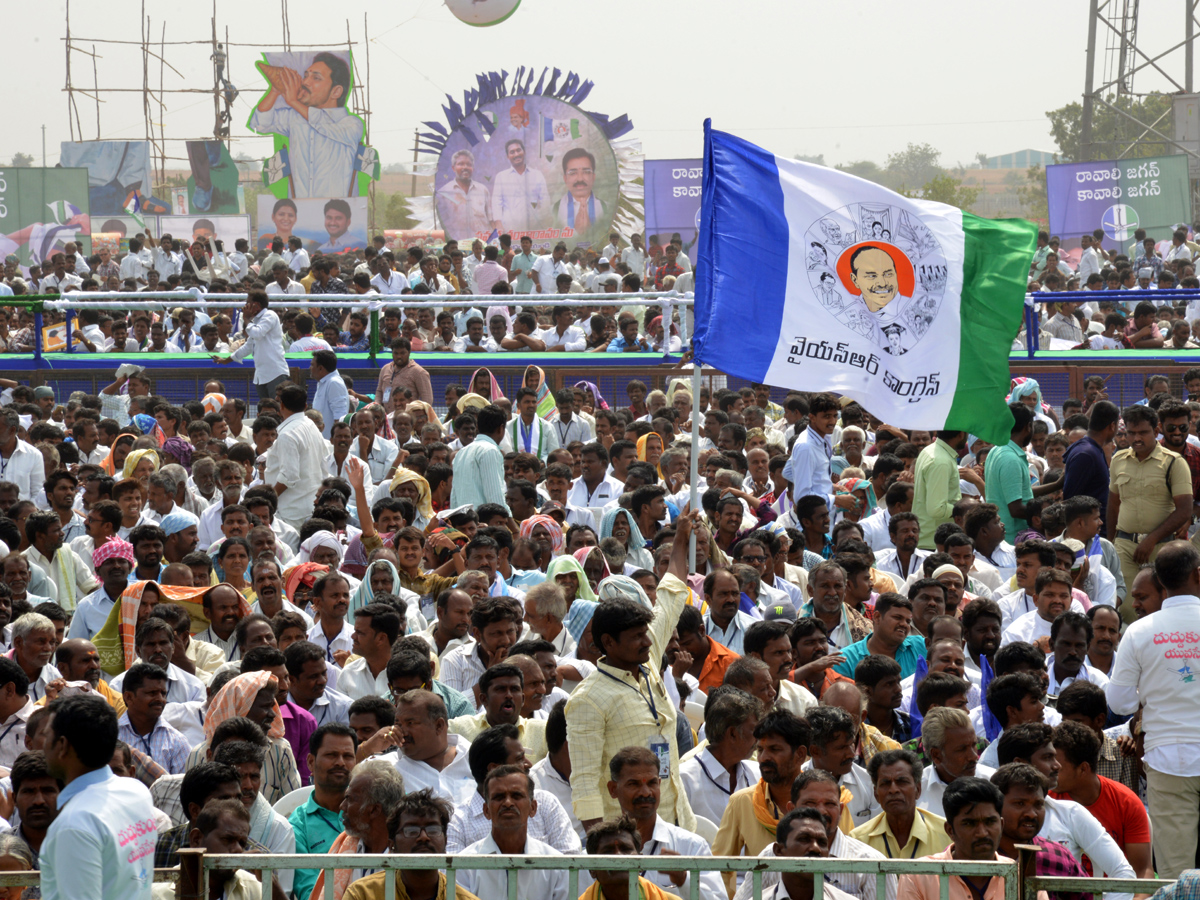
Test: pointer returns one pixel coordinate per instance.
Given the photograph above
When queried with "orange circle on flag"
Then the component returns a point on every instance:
(905, 277)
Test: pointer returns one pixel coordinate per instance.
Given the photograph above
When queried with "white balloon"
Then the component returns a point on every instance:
(482, 13)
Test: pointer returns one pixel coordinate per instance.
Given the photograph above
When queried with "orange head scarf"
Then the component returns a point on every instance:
(236, 698)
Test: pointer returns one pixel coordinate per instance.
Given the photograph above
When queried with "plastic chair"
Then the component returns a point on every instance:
(694, 713)
(706, 828)
(289, 803)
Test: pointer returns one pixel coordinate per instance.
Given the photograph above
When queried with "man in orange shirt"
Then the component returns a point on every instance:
(973, 807)
(1115, 806)
(709, 659)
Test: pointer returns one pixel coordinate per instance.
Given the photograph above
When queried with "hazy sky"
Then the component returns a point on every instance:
(851, 81)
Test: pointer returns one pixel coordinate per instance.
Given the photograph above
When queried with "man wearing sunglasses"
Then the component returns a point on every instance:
(1174, 419)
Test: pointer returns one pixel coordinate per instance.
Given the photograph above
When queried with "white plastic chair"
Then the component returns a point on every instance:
(289, 803)
(694, 713)
(706, 828)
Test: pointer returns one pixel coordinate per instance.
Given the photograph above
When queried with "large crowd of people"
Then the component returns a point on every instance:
(356, 625)
(1144, 265)
(374, 273)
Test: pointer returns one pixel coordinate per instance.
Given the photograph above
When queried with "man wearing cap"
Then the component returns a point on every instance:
(183, 534)
(113, 562)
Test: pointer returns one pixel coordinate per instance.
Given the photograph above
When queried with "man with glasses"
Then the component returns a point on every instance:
(1174, 419)
(757, 555)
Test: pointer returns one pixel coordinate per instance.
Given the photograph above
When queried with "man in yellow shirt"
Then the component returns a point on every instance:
(902, 830)
(748, 825)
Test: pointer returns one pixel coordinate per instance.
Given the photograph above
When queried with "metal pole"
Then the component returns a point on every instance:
(1085, 127)
(694, 473)
(37, 338)
(1189, 9)
(43, 146)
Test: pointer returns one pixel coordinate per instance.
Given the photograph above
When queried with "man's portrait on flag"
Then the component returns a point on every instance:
(871, 285)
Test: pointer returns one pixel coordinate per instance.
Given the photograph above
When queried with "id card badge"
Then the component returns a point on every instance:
(662, 750)
(387, 395)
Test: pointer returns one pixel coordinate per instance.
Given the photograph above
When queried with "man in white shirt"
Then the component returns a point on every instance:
(564, 334)
(635, 256)
(520, 198)
(1154, 670)
(264, 341)
(20, 463)
(429, 755)
(1052, 598)
(509, 804)
(724, 766)
(1089, 260)
(295, 462)
(950, 742)
(282, 282)
(546, 270)
(378, 453)
(594, 487)
(808, 467)
(300, 259)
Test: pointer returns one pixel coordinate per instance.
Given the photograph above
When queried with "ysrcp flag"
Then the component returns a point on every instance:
(817, 280)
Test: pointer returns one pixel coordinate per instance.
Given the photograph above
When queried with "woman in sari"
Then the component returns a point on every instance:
(619, 523)
(382, 578)
(383, 428)
(547, 535)
(864, 498)
(231, 565)
(140, 465)
(595, 566)
(115, 461)
(569, 575)
(592, 397)
(422, 414)
(178, 451)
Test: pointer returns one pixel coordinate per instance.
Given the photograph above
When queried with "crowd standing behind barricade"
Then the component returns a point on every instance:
(1144, 264)
(375, 273)
(358, 626)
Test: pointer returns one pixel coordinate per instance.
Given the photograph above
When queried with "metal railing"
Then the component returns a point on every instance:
(374, 303)
(1032, 338)
(191, 878)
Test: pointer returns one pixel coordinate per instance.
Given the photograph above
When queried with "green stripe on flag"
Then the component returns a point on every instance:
(575, 132)
(995, 276)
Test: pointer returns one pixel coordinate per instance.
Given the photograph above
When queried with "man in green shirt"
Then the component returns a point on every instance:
(936, 477)
(1006, 475)
(318, 821)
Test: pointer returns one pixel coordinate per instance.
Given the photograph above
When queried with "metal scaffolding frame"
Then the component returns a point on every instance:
(157, 52)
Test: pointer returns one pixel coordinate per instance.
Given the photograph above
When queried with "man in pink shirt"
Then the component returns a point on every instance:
(488, 272)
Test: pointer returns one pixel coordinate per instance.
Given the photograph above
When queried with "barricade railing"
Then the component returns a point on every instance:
(1032, 338)
(191, 877)
(157, 301)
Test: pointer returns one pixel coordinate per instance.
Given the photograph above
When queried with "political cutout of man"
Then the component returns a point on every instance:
(579, 208)
(323, 137)
(337, 224)
(520, 197)
(463, 204)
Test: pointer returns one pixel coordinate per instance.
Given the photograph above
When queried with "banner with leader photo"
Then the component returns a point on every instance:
(323, 225)
(546, 170)
(319, 142)
(226, 229)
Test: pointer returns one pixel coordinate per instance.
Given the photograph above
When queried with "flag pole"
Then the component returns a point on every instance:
(694, 474)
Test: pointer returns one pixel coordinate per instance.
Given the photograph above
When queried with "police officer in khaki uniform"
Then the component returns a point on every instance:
(1149, 496)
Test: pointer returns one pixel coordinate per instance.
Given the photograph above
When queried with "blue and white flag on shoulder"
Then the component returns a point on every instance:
(907, 306)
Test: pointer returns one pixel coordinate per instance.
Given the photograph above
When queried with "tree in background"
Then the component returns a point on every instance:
(22, 161)
(1112, 133)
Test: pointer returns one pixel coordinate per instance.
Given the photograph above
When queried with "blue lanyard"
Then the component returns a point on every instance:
(649, 700)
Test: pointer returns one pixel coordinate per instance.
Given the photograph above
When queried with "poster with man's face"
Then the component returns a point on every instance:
(318, 141)
(547, 170)
(324, 225)
(41, 211)
(199, 228)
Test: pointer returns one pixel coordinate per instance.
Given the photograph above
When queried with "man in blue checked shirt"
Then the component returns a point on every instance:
(356, 339)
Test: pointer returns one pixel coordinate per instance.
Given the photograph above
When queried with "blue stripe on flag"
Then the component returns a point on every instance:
(547, 129)
(741, 216)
